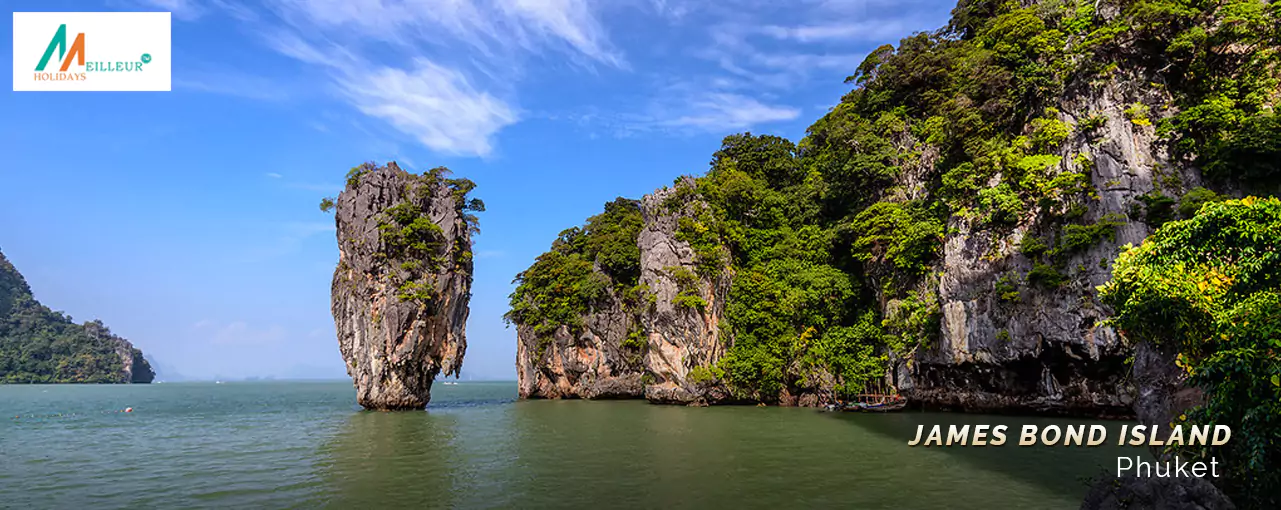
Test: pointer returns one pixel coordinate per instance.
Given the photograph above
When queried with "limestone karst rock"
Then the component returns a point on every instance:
(401, 289)
(39, 345)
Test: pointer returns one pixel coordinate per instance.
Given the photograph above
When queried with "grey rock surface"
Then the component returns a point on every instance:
(1133, 493)
(1047, 351)
(395, 347)
(680, 338)
(591, 364)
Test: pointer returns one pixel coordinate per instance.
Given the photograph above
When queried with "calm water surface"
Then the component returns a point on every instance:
(307, 445)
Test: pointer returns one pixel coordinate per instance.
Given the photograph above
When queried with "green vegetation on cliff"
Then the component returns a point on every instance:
(834, 242)
(587, 266)
(39, 345)
(1210, 287)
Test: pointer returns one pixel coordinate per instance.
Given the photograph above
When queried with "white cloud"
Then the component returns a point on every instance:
(568, 20)
(186, 10)
(720, 111)
(432, 94)
(434, 104)
(273, 175)
(876, 30)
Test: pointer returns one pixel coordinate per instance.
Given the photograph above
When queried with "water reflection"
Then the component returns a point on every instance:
(396, 460)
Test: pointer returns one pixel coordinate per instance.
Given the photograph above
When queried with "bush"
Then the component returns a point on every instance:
(1209, 287)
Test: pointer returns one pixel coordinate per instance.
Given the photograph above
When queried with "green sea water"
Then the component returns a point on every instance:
(307, 445)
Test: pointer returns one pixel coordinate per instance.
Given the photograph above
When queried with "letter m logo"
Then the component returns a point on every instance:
(59, 43)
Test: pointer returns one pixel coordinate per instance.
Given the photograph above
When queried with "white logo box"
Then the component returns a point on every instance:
(122, 51)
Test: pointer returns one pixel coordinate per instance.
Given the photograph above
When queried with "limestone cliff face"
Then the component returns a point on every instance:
(593, 363)
(401, 289)
(681, 337)
(647, 349)
(1045, 351)
(133, 367)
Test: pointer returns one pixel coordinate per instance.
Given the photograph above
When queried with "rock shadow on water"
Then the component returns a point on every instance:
(393, 460)
(1062, 470)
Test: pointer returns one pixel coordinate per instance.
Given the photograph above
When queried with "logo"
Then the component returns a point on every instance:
(59, 43)
(91, 51)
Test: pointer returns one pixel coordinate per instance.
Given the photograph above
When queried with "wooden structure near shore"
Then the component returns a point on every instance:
(879, 401)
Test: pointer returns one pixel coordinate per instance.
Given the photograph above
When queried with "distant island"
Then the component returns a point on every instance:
(39, 345)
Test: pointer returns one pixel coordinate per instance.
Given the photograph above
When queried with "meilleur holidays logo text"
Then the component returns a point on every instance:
(91, 51)
(1092, 435)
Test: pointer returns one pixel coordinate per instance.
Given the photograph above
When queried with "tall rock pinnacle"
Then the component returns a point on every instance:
(401, 289)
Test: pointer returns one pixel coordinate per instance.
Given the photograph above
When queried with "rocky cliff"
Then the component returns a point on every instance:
(683, 323)
(586, 362)
(1009, 344)
(401, 289)
(942, 231)
(39, 345)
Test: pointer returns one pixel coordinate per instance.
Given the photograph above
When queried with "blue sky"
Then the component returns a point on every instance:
(188, 220)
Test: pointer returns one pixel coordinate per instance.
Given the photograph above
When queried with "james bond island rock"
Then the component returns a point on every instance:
(942, 231)
(401, 289)
(39, 345)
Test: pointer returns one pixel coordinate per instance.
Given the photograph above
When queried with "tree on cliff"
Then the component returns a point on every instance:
(958, 135)
(39, 345)
(1210, 287)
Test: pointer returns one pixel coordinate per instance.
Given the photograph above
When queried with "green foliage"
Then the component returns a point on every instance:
(1049, 133)
(1139, 114)
(912, 321)
(1250, 155)
(1032, 247)
(849, 354)
(564, 284)
(1002, 205)
(1091, 124)
(39, 345)
(1045, 275)
(1158, 208)
(1209, 287)
(1192, 201)
(353, 175)
(955, 124)
(904, 236)
(1077, 238)
(409, 240)
(1007, 289)
(704, 375)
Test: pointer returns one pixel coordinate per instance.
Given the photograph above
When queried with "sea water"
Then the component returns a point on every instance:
(307, 445)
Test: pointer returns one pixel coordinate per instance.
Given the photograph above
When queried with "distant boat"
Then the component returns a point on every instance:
(217, 382)
(450, 383)
(889, 403)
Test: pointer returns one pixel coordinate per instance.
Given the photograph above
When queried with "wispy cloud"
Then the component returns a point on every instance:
(435, 104)
(273, 175)
(232, 83)
(453, 93)
(186, 10)
(722, 111)
(873, 30)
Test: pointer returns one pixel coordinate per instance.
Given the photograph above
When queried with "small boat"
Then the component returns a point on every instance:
(888, 404)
